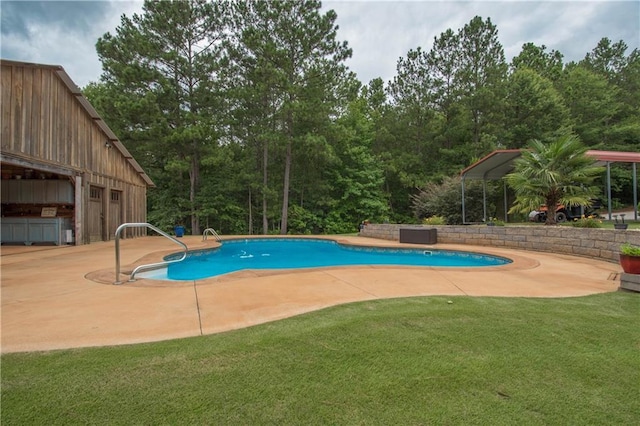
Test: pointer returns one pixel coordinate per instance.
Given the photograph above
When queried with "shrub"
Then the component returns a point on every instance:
(302, 221)
(496, 222)
(434, 220)
(587, 222)
(445, 200)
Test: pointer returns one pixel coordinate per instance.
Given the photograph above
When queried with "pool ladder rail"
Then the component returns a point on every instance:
(150, 265)
(210, 231)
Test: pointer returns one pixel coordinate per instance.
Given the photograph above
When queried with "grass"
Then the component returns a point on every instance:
(605, 224)
(400, 361)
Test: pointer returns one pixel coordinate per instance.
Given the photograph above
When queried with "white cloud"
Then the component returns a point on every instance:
(379, 32)
(60, 33)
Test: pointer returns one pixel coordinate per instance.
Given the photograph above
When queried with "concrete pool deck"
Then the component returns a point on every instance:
(63, 297)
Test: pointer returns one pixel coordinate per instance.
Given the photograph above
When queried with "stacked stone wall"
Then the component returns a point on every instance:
(601, 244)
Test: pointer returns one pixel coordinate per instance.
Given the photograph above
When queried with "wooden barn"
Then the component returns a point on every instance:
(66, 178)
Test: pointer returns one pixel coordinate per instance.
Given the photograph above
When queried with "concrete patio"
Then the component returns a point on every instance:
(63, 297)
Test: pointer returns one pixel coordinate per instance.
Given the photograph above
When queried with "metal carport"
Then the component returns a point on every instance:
(500, 162)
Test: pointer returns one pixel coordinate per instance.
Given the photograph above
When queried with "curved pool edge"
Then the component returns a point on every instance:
(518, 261)
(246, 257)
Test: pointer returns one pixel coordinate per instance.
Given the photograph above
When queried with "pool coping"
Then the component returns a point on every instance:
(107, 276)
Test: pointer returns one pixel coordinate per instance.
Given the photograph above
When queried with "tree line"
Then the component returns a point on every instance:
(246, 117)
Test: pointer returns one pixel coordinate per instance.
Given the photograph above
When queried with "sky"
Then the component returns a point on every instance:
(379, 32)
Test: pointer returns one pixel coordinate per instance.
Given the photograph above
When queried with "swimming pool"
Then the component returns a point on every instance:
(297, 253)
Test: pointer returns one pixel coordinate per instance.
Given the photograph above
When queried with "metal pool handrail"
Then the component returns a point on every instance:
(212, 232)
(150, 265)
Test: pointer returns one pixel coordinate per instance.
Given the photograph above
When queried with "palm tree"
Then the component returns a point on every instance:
(553, 174)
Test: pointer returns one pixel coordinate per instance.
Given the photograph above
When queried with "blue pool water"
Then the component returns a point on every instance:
(236, 255)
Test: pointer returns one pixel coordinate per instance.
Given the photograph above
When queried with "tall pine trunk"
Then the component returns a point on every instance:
(250, 213)
(285, 189)
(194, 178)
(265, 183)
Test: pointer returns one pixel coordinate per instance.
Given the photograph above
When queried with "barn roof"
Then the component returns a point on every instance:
(84, 102)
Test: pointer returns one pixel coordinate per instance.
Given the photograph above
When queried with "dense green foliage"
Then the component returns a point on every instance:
(485, 361)
(247, 119)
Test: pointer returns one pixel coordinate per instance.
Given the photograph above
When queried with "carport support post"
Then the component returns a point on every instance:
(635, 192)
(504, 191)
(463, 212)
(484, 199)
(609, 187)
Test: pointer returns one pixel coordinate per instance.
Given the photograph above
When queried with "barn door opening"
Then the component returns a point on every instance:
(115, 212)
(96, 214)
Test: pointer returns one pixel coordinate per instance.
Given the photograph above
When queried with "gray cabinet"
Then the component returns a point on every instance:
(44, 230)
(14, 230)
(37, 192)
(29, 230)
(13, 191)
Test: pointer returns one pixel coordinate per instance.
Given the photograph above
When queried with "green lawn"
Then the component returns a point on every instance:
(484, 361)
(604, 224)
(608, 225)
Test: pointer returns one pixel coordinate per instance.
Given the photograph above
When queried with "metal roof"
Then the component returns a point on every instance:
(500, 162)
(493, 166)
(86, 105)
(604, 157)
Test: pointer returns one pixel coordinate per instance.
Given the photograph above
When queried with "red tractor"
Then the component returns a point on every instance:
(564, 214)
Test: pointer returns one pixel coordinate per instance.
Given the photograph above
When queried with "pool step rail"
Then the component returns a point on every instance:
(150, 265)
(210, 231)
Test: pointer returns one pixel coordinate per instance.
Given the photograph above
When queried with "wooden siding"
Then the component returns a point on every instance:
(44, 122)
(115, 211)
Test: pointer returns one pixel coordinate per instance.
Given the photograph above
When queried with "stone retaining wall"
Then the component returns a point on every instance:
(596, 243)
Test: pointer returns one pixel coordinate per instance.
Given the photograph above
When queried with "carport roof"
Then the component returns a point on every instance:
(493, 166)
(500, 162)
(615, 156)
